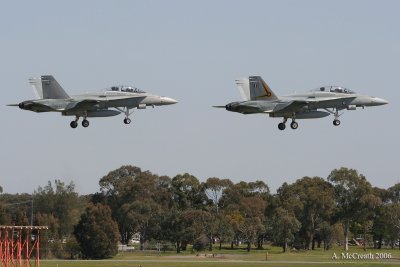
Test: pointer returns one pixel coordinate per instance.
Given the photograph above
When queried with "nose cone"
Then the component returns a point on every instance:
(379, 101)
(168, 101)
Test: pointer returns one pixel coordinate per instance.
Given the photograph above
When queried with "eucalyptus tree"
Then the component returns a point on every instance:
(350, 187)
(312, 202)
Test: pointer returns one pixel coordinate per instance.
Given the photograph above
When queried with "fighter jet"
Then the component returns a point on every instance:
(111, 101)
(317, 103)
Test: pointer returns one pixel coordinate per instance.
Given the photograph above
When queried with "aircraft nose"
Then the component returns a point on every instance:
(168, 101)
(380, 101)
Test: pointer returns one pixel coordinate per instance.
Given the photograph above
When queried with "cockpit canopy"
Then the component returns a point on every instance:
(123, 88)
(334, 89)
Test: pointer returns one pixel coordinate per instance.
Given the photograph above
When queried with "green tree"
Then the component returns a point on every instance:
(394, 193)
(236, 220)
(196, 223)
(214, 188)
(172, 227)
(188, 192)
(143, 218)
(223, 229)
(244, 204)
(127, 185)
(49, 239)
(367, 212)
(393, 216)
(62, 202)
(97, 233)
(312, 201)
(284, 225)
(349, 189)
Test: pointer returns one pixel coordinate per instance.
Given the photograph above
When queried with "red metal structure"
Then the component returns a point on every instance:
(20, 245)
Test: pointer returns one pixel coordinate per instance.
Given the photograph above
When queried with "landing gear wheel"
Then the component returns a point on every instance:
(336, 122)
(85, 123)
(127, 120)
(281, 126)
(294, 125)
(73, 124)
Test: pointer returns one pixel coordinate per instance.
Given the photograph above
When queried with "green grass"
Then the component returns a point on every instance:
(236, 258)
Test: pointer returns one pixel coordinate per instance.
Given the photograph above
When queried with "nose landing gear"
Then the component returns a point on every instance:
(336, 121)
(336, 114)
(125, 110)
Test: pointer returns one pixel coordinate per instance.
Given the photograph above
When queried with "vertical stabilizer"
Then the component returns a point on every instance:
(259, 90)
(37, 87)
(244, 89)
(51, 89)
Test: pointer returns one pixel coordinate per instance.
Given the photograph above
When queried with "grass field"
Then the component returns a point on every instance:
(241, 258)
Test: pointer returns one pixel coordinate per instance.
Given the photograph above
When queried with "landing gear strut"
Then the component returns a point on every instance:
(336, 114)
(85, 122)
(294, 125)
(127, 120)
(336, 121)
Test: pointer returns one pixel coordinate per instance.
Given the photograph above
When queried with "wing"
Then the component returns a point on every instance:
(292, 106)
(313, 103)
(86, 104)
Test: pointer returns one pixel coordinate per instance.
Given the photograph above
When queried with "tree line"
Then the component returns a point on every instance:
(182, 211)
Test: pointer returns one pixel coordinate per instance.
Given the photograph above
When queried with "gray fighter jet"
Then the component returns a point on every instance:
(105, 103)
(314, 104)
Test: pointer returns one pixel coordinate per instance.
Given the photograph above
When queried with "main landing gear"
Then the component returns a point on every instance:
(74, 124)
(85, 122)
(294, 125)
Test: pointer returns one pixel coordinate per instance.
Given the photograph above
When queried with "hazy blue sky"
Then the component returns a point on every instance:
(193, 51)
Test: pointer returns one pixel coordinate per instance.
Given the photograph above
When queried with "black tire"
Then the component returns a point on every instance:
(336, 122)
(127, 120)
(294, 125)
(85, 123)
(73, 124)
(281, 126)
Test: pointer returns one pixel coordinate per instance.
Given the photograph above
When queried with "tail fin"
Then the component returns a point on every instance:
(244, 88)
(254, 88)
(48, 88)
(37, 87)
